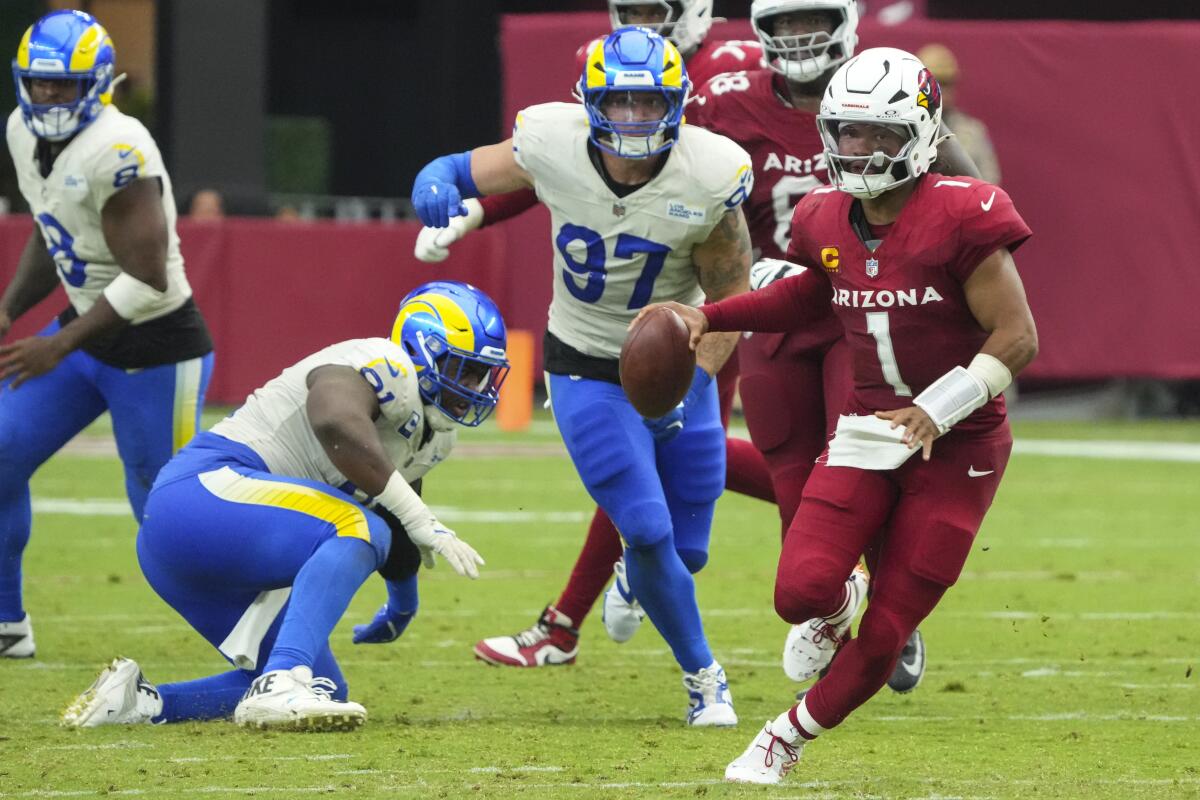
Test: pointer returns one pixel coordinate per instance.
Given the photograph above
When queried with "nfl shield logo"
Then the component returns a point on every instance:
(618, 209)
(872, 267)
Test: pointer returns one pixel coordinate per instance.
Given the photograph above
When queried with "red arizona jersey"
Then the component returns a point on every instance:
(789, 162)
(903, 306)
(711, 58)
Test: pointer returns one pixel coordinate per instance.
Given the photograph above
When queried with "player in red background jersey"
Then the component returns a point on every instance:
(918, 268)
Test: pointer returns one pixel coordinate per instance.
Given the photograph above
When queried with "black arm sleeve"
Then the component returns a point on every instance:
(404, 559)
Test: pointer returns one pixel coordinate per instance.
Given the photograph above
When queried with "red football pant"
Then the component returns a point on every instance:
(932, 511)
(791, 398)
(746, 473)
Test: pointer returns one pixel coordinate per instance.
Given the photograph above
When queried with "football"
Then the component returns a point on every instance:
(657, 366)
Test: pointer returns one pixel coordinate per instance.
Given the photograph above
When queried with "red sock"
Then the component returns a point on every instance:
(593, 569)
(746, 470)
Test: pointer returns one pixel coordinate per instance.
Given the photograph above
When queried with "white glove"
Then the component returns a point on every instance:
(433, 244)
(768, 270)
(445, 542)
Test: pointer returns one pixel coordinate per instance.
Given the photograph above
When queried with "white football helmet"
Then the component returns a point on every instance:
(888, 87)
(687, 21)
(807, 56)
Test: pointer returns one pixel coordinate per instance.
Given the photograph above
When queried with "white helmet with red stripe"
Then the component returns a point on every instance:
(804, 57)
(685, 22)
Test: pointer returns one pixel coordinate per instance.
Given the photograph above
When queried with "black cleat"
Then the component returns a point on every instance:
(910, 667)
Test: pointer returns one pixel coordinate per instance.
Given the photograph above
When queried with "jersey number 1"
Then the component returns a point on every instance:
(878, 325)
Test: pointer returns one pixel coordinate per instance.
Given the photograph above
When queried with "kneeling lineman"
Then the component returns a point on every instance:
(261, 530)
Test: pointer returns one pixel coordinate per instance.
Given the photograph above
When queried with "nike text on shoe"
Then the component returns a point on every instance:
(551, 642)
(709, 702)
(623, 614)
(811, 645)
(292, 699)
(768, 759)
(16, 639)
(910, 667)
(120, 696)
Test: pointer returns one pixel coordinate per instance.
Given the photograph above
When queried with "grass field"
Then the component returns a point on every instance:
(1062, 665)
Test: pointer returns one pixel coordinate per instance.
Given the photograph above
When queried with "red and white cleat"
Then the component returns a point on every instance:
(553, 641)
(767, 760)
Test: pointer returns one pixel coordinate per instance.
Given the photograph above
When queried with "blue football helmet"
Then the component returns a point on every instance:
(456, 338)
(65, 46)
(634, 87)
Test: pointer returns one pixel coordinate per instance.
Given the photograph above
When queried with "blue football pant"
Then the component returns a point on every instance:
(224, 545)
(155, 411)
(661, 497)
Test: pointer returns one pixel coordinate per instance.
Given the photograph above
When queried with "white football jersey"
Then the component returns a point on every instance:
(273, 422)
(104, 157)
(613, 255)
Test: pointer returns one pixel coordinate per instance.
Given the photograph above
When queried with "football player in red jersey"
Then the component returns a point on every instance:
(794, 384)
(918, 268)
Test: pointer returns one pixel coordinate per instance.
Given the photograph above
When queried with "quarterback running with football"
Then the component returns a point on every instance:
(132, 341)
(919, 270)
(261, 530)
(643, 208)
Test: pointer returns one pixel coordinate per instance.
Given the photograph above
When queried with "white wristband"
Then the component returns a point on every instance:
(131, 298)
(408, 507)
(952, 397)
(992, 372)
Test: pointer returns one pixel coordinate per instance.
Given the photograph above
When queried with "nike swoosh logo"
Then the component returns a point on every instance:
(912, 670)
(988, 205)
(974, 473)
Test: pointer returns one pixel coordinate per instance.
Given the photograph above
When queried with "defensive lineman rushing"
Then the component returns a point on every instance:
(919, 270)
(554, 637)
(132, 340)
(260, 531)
(643, 208)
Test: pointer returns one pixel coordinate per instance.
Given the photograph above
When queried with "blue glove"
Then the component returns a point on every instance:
(439, 189)
(386, 627)
(668, 426)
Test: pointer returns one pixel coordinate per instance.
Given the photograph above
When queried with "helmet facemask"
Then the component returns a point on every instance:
(868, 175)
(619, 124)
(684, 22)
(805, 57)
(463, 385)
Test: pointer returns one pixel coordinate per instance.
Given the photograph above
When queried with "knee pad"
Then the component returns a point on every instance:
(643, 525)
(693, 559)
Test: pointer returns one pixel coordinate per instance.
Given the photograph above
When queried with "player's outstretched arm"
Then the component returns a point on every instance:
(34, 280)
(996, 297)
(722, 264)
(441, 185)
(342, 408)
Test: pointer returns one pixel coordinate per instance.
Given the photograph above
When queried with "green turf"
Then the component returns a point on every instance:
(1060, 666)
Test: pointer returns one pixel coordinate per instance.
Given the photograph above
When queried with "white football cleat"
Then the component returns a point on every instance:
(16, 639)
(767, 760)
(623, 614)
(120, 696)
(709, 702)
(551, 642)
(811, 645)
(292, 699)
